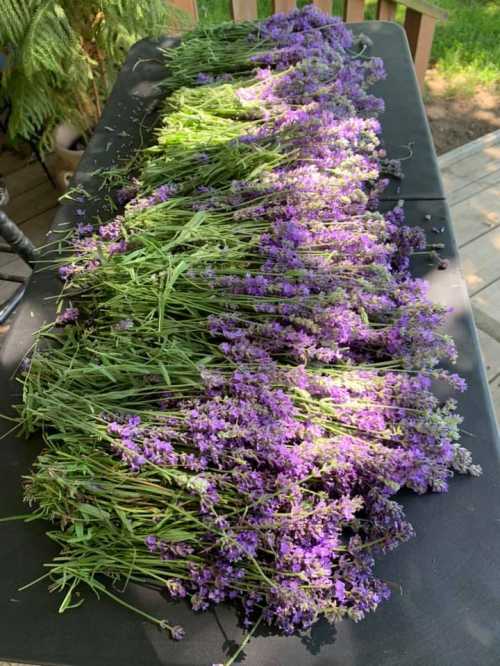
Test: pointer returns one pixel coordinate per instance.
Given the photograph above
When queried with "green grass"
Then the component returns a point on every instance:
(466, 48)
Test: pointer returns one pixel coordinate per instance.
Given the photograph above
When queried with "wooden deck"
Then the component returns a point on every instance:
(32, 206)
(471, 176)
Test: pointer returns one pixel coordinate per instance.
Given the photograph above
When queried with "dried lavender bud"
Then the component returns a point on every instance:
(364, 40)
(177, 632)
(443, 264)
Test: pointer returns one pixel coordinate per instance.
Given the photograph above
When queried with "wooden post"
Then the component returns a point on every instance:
(188, 6)
(420, 31)
(283, 6)
(354, 10)
(244, 10)
(324, 5)
(386, 10)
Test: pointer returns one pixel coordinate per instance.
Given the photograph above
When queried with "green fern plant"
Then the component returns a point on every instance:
(63, 56)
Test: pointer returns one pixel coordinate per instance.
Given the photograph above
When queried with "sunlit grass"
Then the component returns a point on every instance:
(467, 47)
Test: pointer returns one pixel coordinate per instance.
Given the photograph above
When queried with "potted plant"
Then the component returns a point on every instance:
(62, 57)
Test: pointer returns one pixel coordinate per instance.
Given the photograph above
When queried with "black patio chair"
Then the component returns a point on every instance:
(15, 242)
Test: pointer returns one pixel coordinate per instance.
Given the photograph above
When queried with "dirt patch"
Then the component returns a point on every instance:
(457, 118)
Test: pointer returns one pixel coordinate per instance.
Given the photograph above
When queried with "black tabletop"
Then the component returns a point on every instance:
(445, 608)
(405, 129)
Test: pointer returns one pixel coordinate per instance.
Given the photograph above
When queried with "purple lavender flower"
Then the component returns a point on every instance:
(204, 79)
(67, 271)
(177, 632)
(176, 589)
(247, 542)
(25, 364)
(117, 248)
(340, 591)
(83, 229)
(127, 193)
(111, 231)
(163, 193)
(67, 316)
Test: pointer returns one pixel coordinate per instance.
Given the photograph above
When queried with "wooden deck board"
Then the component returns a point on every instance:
(20, 181)
(33, 202)
(36, 229)
(12, 264)
(471, 176)
(7, 289)
(11, 162)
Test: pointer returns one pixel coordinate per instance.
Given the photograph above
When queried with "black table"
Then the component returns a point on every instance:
(448, 610)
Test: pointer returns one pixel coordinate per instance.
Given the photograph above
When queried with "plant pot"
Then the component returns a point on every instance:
(66, 155)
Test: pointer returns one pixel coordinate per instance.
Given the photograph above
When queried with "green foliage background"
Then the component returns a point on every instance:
(62, 57)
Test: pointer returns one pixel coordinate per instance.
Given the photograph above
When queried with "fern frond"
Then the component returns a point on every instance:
(49, 43)
(64, 56)
(31, 106)
(14, 21)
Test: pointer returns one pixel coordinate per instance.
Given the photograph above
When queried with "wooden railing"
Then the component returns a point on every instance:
(420, 19)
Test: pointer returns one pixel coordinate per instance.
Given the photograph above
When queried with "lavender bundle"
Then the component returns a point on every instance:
(242, 381)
